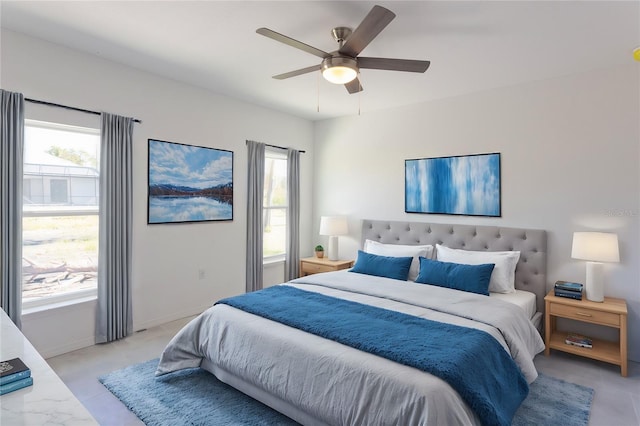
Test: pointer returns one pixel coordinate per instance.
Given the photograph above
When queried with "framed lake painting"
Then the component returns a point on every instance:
(189, 183)
(462, 185)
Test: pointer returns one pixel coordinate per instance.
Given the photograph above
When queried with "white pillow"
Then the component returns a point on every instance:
(399, 250)
(503, 276)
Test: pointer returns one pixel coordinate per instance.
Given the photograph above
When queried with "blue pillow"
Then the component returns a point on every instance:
(382, 266)
(471, 278)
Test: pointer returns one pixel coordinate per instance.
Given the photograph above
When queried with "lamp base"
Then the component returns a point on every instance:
(333, 247)
(594, 286)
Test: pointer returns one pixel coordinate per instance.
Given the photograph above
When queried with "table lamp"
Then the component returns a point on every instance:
(333, 226)
(595, 248)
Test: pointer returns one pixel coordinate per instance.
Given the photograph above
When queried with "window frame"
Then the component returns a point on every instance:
(275, 153)
(69, 297)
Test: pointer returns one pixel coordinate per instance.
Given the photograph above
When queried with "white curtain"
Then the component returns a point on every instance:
(255, 194)
(11, 155)
(114, 317)
(292, 261)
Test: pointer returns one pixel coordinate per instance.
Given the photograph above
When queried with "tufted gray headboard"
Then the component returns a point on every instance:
(531, 270)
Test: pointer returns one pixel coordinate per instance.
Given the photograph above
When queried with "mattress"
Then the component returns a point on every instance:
(524, 299)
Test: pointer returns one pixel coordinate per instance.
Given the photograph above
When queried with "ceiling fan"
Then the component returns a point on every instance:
(342, 66)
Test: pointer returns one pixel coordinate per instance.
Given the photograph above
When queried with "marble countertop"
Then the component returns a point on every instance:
(49, 401)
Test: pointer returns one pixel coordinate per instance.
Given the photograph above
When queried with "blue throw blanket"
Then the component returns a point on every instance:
(470, 360)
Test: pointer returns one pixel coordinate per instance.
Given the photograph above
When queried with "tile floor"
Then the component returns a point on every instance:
(616, 401)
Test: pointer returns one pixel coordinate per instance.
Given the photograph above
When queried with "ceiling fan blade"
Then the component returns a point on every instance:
(291, 42)
(408, 65)
(354, 86)
(297, 72)
(377, 19)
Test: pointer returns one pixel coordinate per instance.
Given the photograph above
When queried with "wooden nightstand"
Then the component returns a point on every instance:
(610, 313)
(314, 265)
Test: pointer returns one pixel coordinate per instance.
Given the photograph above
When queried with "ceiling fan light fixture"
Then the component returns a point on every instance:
(339, 69)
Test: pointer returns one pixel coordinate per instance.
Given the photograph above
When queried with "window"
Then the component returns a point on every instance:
(60, 213)
(275, 205)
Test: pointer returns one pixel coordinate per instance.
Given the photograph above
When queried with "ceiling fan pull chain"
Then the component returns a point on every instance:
(359, 93)
(318, 100)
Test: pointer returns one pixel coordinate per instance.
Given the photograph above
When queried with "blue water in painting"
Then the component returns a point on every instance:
(187, 209)
(454, 185)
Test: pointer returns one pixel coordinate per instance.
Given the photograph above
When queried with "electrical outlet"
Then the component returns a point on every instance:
(201, 274)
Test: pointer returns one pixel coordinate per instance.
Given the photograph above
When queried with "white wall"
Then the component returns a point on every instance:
(570, 154)
(166, 258)
(569, 149)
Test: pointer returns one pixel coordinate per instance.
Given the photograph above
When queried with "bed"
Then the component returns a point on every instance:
(319, 381)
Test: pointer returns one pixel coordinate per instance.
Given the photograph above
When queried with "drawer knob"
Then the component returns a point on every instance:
(583, 314)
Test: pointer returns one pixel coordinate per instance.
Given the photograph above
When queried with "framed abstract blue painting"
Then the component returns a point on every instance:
(461, 185)
(189, 183)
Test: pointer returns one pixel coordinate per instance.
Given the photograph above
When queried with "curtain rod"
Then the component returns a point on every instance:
(88, 111)
(276, 146)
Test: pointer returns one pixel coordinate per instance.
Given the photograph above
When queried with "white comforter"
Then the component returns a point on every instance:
(318, 381)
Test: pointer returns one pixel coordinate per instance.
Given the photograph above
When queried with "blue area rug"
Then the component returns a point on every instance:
(553, 401)
(196, 397)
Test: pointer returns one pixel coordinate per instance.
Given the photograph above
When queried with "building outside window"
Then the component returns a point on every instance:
(275, 205)
(59, 191)
(60, 213)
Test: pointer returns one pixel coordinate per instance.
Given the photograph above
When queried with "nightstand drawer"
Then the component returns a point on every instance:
(314, 268)
(587, 315)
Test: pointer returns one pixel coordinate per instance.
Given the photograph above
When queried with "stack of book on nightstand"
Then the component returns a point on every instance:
(579, 340)
(568, 289)
(14, 375)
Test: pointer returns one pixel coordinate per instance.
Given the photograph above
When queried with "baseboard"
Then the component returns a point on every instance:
(170, 317)
(67, 347)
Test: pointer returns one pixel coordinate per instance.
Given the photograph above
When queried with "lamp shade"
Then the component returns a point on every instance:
(333, 225)
(595, 246)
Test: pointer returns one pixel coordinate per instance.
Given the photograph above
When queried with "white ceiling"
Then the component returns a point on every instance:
(472, 45)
